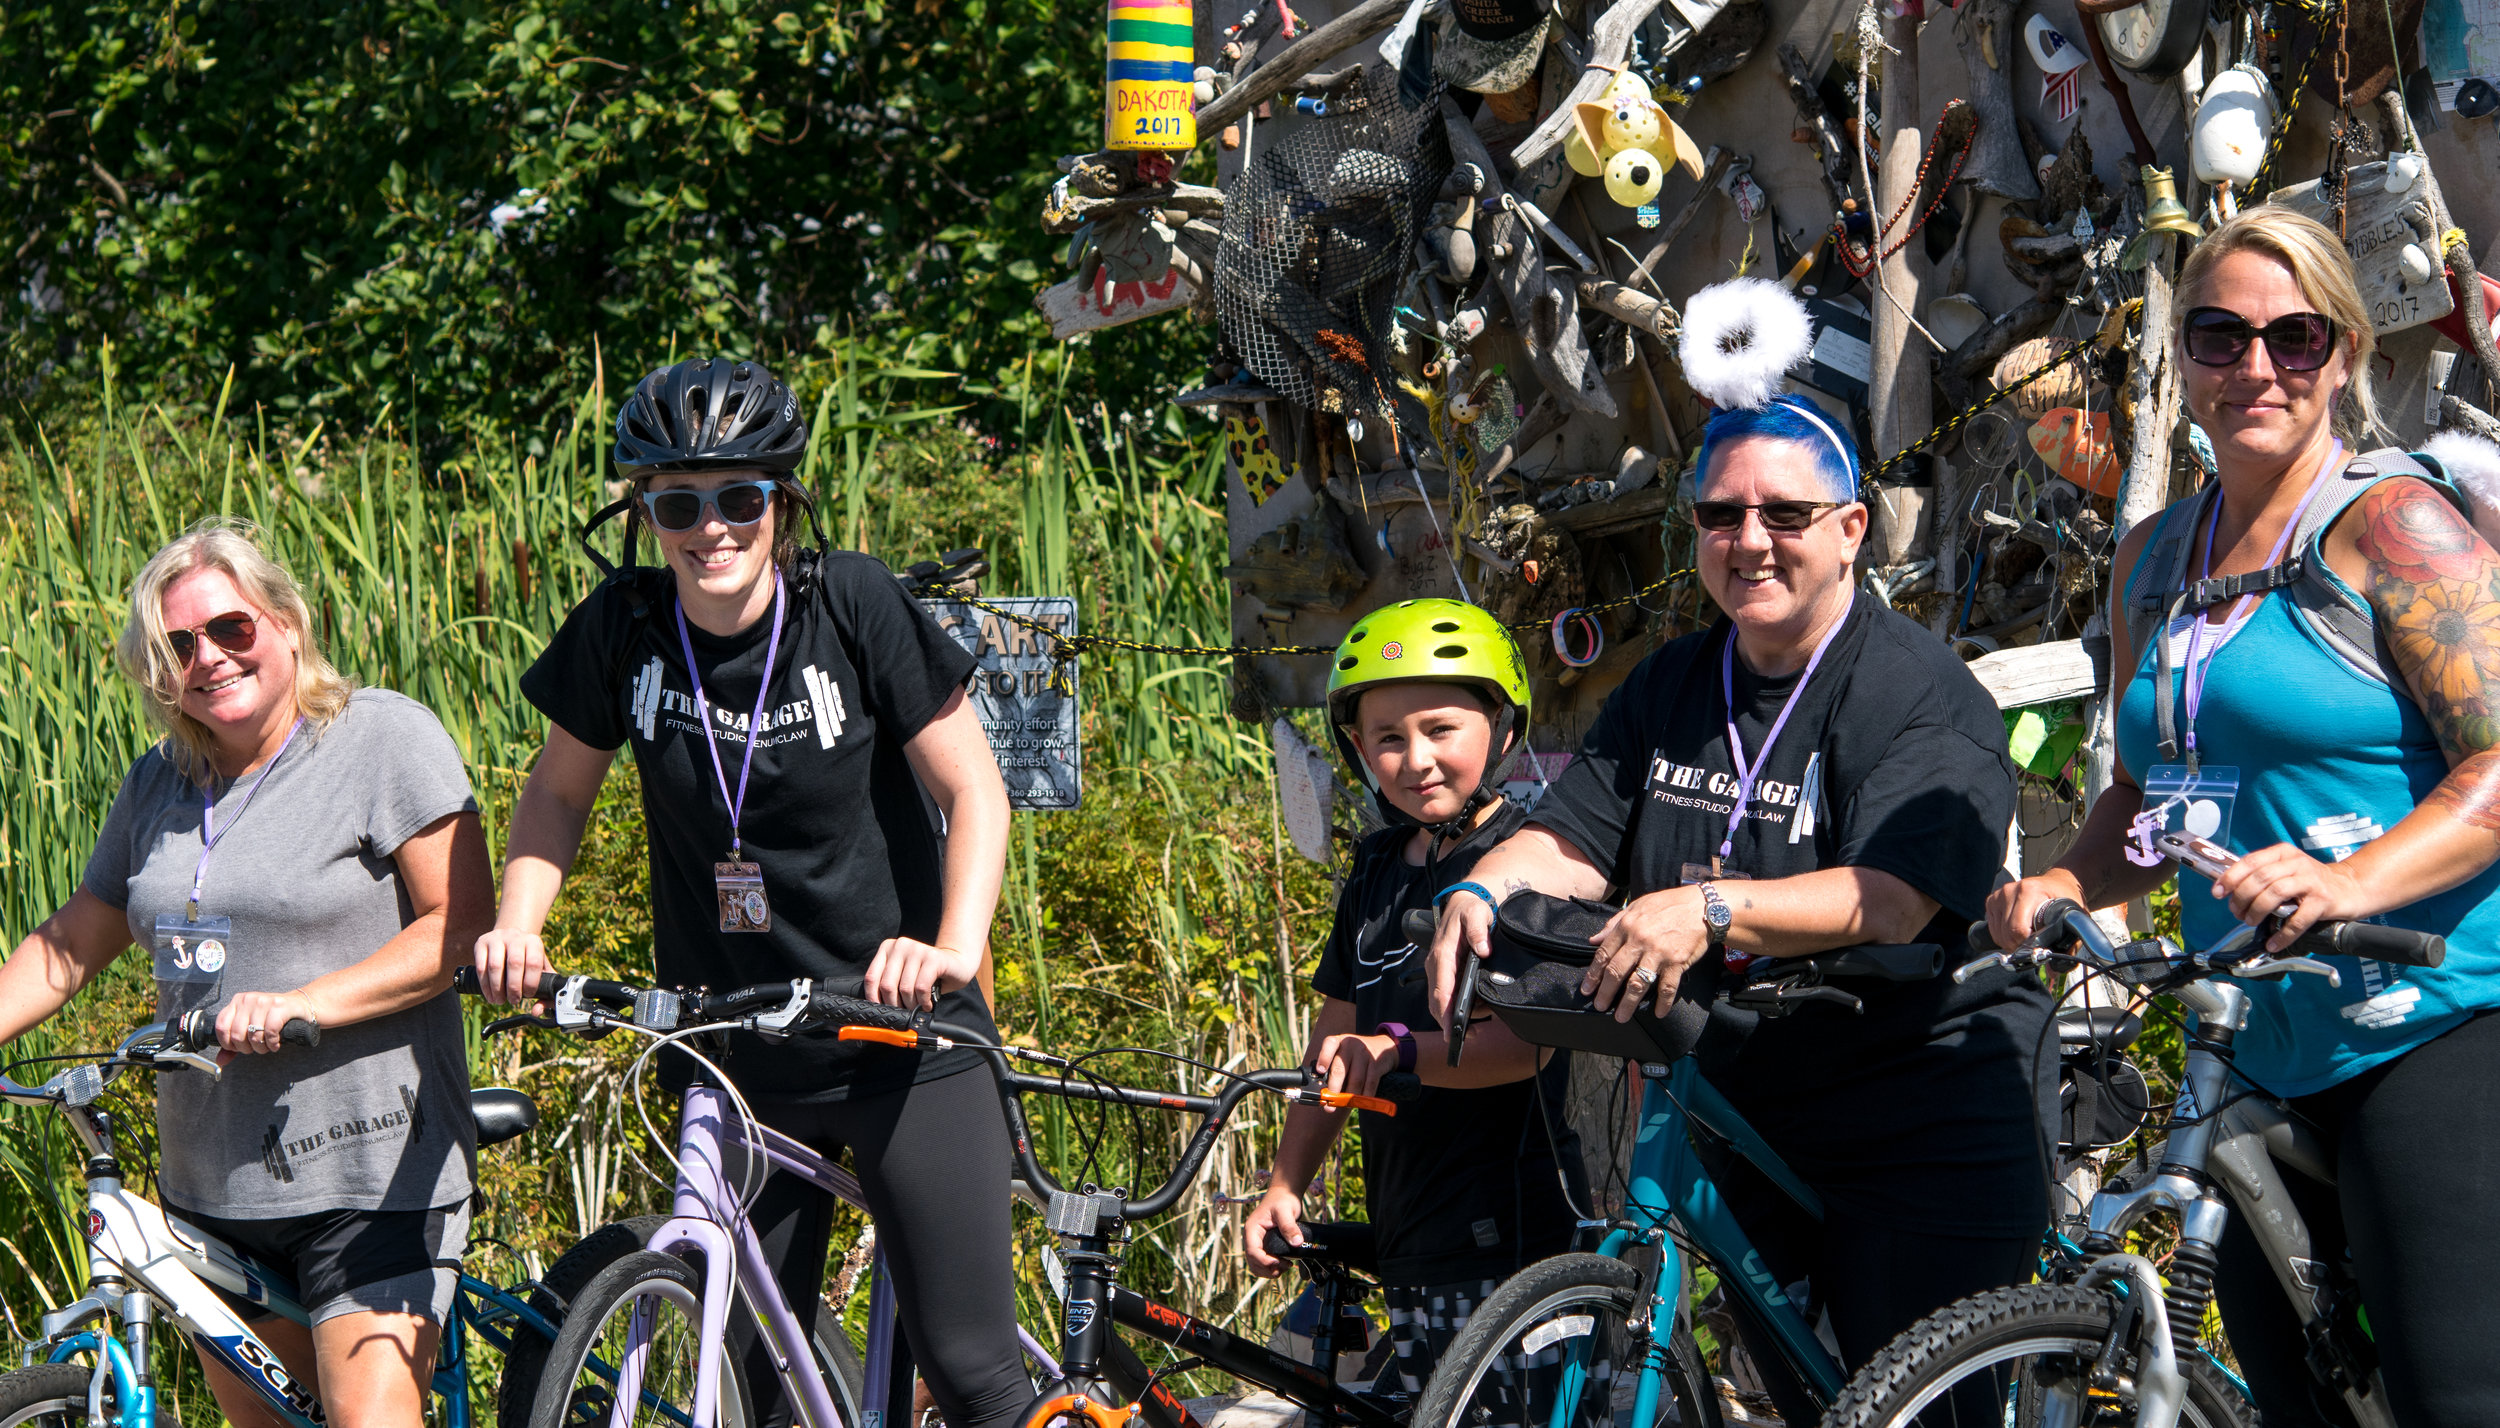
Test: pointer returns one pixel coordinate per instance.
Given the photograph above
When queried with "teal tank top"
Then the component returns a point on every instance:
(2329, 759)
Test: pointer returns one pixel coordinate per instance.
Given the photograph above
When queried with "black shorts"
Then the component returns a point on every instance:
(350, 1261)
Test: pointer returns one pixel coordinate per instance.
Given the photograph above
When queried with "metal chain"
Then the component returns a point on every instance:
(1959, 419)
(1065, 648)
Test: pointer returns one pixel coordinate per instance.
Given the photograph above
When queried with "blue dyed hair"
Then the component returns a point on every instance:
(1786, 418)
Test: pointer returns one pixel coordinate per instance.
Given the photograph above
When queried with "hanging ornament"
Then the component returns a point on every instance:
(2061, 67)
(1633, 177)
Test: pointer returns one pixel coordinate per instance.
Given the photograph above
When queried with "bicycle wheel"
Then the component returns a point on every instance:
(1563, 1329)
(563, 1283)
(46, 1396)
(2020, 1357)
(580, 1382)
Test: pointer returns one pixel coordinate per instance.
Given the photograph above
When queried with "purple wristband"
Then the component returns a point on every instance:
(1405, 1040)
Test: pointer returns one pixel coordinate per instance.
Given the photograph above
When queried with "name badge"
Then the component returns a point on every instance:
(192, 951)
(2177, 801)
(742, 904)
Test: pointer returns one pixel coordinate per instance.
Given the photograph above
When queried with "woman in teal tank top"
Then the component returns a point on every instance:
(2359, 797)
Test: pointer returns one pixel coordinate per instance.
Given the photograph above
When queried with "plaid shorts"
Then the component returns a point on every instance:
(1423, 1320)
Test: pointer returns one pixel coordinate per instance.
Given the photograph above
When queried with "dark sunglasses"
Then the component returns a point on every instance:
(742, 504)
(1776, 515)
(2297, 341)
(234, 632)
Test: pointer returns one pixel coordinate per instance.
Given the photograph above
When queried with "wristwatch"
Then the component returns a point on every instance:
(1716, 915)
(1405, 1039)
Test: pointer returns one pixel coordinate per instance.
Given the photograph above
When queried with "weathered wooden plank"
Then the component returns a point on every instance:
(2035, 674)
(1071, 309)
(2378, 227)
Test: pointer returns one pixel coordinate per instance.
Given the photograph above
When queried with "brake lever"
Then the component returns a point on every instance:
(1462, 1003)
(1775, 1000)
(2277, 966)
(518, 1022)
(1990, 962)
(196, 1060)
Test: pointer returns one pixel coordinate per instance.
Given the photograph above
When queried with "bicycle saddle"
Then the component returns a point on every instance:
(501, 1113)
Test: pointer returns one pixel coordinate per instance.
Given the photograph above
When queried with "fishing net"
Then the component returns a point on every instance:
(1317, 229)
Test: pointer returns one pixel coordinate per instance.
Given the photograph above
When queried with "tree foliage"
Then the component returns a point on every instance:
(446, 203)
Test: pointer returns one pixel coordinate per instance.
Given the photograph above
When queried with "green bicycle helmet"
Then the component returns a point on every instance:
(1435, 641)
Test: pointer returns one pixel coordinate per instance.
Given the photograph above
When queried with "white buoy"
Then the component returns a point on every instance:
(2233, 123)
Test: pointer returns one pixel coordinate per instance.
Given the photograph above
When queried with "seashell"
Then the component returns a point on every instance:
(2402, 170)
(2064, 387)
(2075, 444)
(2417, 264)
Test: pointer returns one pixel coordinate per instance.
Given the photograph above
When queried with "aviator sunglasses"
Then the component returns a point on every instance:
(741, 504)
(2297, 341)
(1776, 515)
(234, 632)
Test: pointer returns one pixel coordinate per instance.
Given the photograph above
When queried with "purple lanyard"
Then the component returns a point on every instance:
(2244, 606)
(210, 833)
(755, 722)
(1746, 775)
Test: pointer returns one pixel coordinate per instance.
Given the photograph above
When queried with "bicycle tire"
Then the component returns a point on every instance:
(525, 1363)
(2062, 1325)
(597, 1324)
(45, 1396)
(1530, 1305)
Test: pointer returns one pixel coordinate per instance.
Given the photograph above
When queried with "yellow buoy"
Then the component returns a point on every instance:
(1151, 66)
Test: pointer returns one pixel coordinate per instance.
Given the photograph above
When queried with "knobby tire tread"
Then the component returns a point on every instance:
(26, 1392)
(1929, 1352)
(563, 1282)
(1495, 1320)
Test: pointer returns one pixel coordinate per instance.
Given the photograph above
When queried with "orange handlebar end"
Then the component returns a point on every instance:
(887, 1035)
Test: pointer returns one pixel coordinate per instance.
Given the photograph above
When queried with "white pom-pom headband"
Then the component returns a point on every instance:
(1740, 339)
(2473, 463)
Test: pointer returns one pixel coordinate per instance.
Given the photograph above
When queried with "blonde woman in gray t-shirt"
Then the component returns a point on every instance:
(293, 848)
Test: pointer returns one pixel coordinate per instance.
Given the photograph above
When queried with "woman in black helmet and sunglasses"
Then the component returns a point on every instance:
(786, 709)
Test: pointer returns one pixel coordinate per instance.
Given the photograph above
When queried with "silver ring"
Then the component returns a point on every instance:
(1643, 975)
(252, 1030)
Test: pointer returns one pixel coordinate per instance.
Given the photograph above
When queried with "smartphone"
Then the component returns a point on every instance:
(2202, 854)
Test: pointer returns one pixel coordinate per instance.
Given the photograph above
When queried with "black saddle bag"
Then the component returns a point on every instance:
(1541, 949)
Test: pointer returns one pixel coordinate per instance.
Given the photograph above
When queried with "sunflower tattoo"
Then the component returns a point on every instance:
(2435, 589)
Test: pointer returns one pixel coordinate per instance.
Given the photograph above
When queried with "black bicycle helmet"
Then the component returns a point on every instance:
(709, 414)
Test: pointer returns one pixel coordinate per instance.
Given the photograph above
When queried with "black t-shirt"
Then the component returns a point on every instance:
(1452, 1178)
(833, 813)
(1927, 1107)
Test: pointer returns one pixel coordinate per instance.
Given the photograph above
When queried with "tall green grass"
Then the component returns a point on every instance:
(1164, 915)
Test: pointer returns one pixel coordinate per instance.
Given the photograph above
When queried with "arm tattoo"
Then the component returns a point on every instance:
(2435, 587)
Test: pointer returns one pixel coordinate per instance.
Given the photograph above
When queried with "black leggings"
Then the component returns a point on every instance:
(2416, 1147)
(933, 1160)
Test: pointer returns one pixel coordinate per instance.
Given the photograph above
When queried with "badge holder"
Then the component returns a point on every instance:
(192, 950)
(740, 887)
(2196, 802)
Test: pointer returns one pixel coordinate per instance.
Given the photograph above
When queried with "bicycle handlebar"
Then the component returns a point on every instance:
(197, 1031)
(780, 1008)
(2060, 925)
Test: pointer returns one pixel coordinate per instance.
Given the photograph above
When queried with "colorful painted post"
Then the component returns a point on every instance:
(1153, 57)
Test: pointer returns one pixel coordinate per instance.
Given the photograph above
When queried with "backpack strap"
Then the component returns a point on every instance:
(2156, 591)
(2339, 617)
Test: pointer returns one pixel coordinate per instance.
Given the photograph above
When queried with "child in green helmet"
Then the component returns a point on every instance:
(1428, 700)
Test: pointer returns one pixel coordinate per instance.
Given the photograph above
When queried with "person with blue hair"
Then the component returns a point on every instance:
(1812, 771)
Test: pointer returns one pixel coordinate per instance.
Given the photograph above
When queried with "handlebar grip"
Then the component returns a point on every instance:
(1981, 940)
(1403, 1087)
(835, 1009)
(2401, 945)
(2048, 924)
(464, 981)
(197, 1031)
(1278, 1247)
(1420, 925)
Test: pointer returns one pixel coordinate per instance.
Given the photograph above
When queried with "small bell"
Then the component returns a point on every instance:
(2162, 210)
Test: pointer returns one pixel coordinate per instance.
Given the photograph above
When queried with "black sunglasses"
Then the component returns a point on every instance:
(741, 504)
(1776, 515)
(234, 632)
(2297, 341)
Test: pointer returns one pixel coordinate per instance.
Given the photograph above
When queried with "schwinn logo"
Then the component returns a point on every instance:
(251, 1355)
(95, 1224)
(1081, 1315)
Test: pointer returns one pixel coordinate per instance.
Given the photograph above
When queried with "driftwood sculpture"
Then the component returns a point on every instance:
(1984, 33)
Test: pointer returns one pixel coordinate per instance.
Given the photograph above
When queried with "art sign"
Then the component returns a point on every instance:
(1032, 724)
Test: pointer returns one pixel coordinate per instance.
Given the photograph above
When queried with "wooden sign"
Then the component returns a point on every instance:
(1072, 309)
(2379, 228)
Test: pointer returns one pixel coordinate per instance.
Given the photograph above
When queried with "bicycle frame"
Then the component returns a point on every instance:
(1669, 1181)
(706, 1221)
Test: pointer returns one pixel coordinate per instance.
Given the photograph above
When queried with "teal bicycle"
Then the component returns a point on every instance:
(148, 1271)
(1604, 1339)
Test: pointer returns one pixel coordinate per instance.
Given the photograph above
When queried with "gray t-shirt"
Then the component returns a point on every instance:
(377, 1116)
